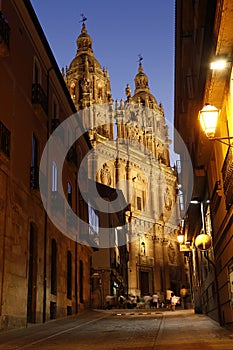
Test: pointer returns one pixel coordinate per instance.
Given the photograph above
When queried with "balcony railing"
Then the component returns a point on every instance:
(227, 175)
(39, 97)
(4, 36)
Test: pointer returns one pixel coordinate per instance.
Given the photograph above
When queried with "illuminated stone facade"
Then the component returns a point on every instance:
(131, 143)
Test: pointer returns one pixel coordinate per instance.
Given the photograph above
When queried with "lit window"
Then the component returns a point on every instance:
(54, 177)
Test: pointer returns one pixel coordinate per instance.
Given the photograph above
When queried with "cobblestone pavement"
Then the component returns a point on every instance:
(123, 330)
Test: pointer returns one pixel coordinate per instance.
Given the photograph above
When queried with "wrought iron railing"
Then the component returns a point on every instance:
(39, 97)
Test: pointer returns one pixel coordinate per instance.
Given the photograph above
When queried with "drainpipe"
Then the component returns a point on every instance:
(46, 215)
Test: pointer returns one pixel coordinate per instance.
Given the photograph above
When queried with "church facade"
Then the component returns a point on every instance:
(131, 153)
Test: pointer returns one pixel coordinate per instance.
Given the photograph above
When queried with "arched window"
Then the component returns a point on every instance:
(54, 176)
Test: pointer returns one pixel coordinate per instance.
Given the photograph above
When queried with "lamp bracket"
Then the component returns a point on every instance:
(220, 139)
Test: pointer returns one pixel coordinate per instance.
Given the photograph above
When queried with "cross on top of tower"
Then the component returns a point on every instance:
(140, 58)
(83, 20)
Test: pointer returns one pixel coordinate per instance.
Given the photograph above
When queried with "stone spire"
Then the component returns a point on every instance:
(142, 94)
(141, 81)
(86, 80)
(84, 42)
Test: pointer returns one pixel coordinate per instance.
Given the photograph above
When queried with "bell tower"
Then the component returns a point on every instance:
(87, 82)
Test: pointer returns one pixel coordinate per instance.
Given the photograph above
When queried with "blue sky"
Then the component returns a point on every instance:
(120, 31)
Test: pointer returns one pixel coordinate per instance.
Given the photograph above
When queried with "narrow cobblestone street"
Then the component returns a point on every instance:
(123, 330)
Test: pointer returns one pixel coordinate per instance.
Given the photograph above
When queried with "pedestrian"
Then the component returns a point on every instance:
(147, 299)
(168, 298)
(121, 301)
(155, 300)
(183, 295)
(173, 301)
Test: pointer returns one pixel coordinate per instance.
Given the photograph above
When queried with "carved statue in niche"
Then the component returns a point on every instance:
(85, 84)
(133, 133)
(128, 91)
(143, 249)
(160, 153)
(168, 199)
(171, 254)
(72, 90)
(105, 175)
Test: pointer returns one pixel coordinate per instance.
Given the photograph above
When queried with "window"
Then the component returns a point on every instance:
(69, 194)
(34, 171)
(54, 267)
(69, 275)
(4, 33)
(55, 109)
(34, 151)
(5, 140)
(36, 72)
(93, 221)
(54, 177)
(139, 203)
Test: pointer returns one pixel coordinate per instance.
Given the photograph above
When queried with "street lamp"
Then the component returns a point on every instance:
(180, 238)
(208, 117)
(218, 64)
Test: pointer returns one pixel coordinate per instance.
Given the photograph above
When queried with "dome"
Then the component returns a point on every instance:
(142, 94)
(84, 41)
(141, 80)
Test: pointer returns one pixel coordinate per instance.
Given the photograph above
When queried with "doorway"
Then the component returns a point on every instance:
(32, 276)
(144, 282)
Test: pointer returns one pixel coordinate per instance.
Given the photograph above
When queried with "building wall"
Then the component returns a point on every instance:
(203, 33)
(132, 156)
(27, 267)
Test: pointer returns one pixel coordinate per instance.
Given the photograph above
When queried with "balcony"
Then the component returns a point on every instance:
(4, 36)
(39, 101)
(227, 175)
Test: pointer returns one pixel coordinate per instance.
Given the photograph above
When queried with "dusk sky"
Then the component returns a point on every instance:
(121, 30)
